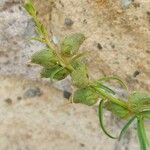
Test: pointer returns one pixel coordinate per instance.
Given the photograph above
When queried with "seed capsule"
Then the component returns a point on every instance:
(56, 72)
(86, 96)
(80, 75)
(45, 58)
(139, 101)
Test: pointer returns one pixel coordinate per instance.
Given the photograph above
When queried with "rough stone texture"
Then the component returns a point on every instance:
(51, 122)
(16, 29)
(48, 121)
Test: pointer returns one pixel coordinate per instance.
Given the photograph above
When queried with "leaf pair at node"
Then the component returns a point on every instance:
(94, 90)
(59, 67)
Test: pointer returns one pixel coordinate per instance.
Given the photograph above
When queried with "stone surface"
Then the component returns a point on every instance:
(68, 22)
(51, 122)
(46, 122)
(32, 92)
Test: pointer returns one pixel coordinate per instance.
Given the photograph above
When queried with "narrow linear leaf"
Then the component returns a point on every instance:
(141, 133)
(126, 126)
(144, 130)
(105, 88)
(114, 78)
(38, 39)
(80, 55)
(101, 120)
(146, 114)
(111, 98)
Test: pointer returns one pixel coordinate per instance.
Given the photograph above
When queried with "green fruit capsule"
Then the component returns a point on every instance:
(118, 110)
(86, 96)
(71, 44)
(45, 58)
(56, 72)
(139, 101)
(80, 75)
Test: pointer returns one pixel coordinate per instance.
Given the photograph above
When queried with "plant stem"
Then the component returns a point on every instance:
(112, 99)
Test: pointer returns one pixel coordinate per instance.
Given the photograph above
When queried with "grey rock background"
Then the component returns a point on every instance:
(16, 29)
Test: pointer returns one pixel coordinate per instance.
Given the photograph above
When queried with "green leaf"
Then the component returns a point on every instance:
(56, 72)
(79, 56)
(101, 120)
(30, 8)
(110, 97)
(80, 75)
(40, 28)
(139, 101)
(146, 114)
(105, 88)
(114, 78)
(86, 96)
(43, 29)
(126, 126)
(141, 133)
(71, 44)
(45, 58)
(38, 39)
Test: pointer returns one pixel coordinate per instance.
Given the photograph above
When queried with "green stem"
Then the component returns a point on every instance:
(61, 61)
(141, 133)
(45, 37)
(112, 99)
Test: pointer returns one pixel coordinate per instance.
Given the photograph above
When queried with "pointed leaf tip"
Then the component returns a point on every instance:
(126, 126)
(101, 120)
(44, 57)
(71, 44)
